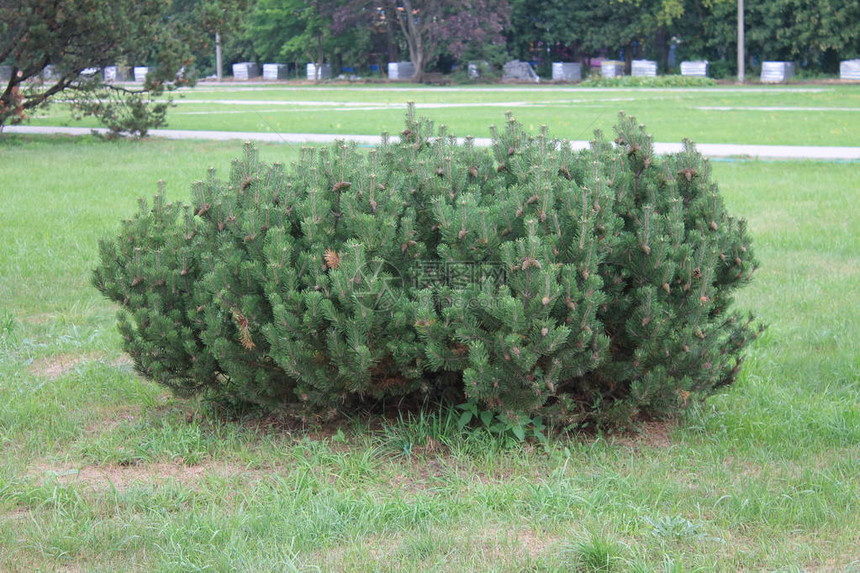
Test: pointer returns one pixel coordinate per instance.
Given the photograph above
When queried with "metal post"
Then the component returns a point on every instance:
(219, 64)
(741, 41)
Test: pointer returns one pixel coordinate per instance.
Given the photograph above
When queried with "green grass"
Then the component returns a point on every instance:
(103, 471)
(789, 115)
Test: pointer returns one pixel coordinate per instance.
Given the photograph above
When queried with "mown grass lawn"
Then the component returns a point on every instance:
(785, 115)
(103, 471)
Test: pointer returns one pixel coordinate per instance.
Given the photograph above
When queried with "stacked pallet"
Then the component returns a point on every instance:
(477, 69)
(566, 72)
(316, 72)
(274, 71)
(245, 70)
(697, 69)
(401, 70)
(515, 70)
(115, 74)
(611, 68)
(140, 73)
(643, 69)
(849, 70)
(776, 72)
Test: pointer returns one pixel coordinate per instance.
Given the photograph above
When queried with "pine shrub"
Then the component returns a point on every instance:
(587, 287)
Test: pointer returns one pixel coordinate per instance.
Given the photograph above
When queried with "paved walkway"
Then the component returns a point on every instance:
(715, 150)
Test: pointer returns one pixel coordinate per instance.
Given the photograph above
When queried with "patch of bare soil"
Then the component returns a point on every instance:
(435, 475)
(58, 365)
(534, 543)
(833, 565)
(124, 360)
(123, 477)
(109, 419)
(655, 434)
(500, 542)
(15, 514)
(40, 318)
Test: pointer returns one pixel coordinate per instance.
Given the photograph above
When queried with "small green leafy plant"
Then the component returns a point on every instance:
(521, 427)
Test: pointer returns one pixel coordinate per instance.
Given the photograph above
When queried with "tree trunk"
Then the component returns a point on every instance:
(393, 54)
(414, 39)
(418, 62)
(663, 47)
(628, 58)
(319, 58)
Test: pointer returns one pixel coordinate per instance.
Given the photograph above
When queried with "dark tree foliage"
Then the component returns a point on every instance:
(429, 26)
(574, 30)
(298, 31)
(589, 287)
(49, 44)
(805, 31)
(201, 20)
(816, 35)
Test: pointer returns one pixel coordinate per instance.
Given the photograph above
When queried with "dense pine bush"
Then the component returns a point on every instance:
(588, 287)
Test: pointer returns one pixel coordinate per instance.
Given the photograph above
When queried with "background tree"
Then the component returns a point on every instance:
(288, 30)
(298, 31)
(707, 30)
(213, 27)
(49, 43)
(554, 29)
(428, 26)
(629, 29)
(815, 34)
(558, 30)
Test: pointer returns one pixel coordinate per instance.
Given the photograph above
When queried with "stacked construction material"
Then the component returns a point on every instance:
(478, 69)
(776, 72)
(5, 73)
(140, 73)
(644, 69)
(274, 71)
(849, 70)
(566, 72)
(401, 70)
(519, 71)
(611, 68)
(316, 72)
(698, 69)
(115, 74)
(245, 71)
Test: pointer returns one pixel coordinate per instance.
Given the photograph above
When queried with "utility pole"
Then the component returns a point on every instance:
(219, 64)
(740, 41)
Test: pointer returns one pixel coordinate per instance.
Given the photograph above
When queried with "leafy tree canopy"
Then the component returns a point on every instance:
(430, 26)
(59, 46)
